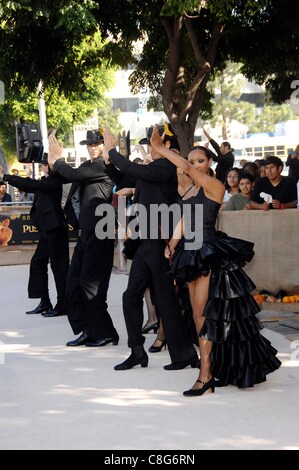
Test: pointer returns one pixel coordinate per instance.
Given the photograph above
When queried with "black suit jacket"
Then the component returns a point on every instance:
(225, 162)
(156, 184)
(94, 186)
(46, 212)
(119, 179)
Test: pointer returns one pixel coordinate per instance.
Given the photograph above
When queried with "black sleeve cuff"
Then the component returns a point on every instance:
(6, 177)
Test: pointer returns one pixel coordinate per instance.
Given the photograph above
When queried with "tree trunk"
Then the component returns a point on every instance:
(224, 124)
(182, 105)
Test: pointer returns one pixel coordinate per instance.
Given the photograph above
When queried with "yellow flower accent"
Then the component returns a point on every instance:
(167, 130)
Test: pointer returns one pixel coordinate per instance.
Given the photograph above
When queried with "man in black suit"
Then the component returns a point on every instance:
(47, 215)
(92, 262)
(225, 157)
(156, 185)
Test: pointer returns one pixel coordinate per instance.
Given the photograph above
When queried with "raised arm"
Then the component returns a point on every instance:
(213, 186)
(145, 156)
(150, 172)
(29, 185)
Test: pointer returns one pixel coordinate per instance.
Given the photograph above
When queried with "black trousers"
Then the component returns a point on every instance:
(149, 267)
(87, 286)
(53, 246)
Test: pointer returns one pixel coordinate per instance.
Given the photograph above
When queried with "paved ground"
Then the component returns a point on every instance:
(53, 397)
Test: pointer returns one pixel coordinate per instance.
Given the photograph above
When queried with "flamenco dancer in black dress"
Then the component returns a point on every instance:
(231, 346)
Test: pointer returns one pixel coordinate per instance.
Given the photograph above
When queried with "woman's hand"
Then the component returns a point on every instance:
(168, 252)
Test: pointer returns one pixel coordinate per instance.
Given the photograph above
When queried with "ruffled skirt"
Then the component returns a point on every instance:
(241, 356)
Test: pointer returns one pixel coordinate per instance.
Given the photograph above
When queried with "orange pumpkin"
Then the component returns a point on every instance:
(259, 298)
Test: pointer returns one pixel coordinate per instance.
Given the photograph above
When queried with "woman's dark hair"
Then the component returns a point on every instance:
(233, 168)
(209, 154)
(252, 169)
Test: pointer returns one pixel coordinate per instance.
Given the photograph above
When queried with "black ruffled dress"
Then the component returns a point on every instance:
(241, 356)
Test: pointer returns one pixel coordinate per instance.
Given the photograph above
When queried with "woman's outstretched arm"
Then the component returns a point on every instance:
(213, 186)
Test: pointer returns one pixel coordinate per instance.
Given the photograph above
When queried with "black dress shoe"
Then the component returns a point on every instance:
(138, 357)
(102, 342)
(194, 362)
(54, 313)
(81, 341)
(42, 307)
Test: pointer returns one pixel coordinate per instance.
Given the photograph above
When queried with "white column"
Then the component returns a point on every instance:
(43, 116)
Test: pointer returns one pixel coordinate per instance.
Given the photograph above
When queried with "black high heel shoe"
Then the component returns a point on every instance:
(205, 387)
(150, 326)
(155, 349)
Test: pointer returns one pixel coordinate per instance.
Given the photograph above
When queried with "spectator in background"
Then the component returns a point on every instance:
(274, 191)
(262, 167)
(293, 164)
(4, 197)
(225, 157)
(240, 201)
(146, 157)
(19, 195)
(138, 160)
(252, 169)
(231, 185)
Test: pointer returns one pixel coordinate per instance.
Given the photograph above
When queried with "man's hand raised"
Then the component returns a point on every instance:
(55, 150)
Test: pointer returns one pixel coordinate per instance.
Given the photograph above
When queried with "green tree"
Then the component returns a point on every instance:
(185, 43)
(63, 110)
(227, 89)
(62, 115)
(271, 115)
(42, 40)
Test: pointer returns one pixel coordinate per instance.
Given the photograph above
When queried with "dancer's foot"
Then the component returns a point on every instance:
(200, 387)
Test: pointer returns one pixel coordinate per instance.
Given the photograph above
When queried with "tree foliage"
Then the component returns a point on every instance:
(64, 109)
(41, 40)
(271, 115)
(186, 42)
(227, 106)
